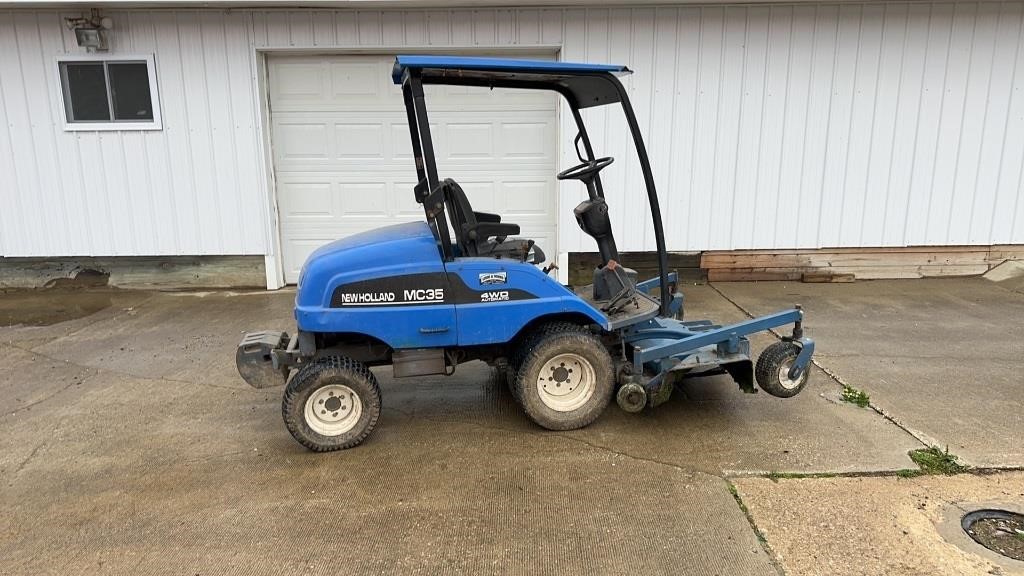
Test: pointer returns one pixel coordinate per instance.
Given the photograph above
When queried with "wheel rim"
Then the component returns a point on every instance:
(784, 379)
(333, 410)
(566, 382)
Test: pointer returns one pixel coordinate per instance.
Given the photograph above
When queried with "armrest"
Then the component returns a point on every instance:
(485, 230)
(485, 217)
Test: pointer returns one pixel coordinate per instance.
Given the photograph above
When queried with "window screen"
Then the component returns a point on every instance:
(107, 91)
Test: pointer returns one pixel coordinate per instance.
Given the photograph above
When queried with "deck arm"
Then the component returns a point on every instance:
(683, 340)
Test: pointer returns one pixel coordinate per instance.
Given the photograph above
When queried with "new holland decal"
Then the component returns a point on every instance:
(409, 296)
(493, 278)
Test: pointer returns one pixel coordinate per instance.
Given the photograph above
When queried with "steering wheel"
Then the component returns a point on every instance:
(587, 170)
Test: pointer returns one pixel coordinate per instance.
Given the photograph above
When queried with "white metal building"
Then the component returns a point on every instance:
(266, 132)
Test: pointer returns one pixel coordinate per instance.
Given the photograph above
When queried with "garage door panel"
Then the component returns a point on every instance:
(401, 201)
(355, 79)
(343, 157)
(526, 140)
(299, 141)
(362, 200)
(467, 140)
(298, 83)
(359, 141)
(525, 197)
(301, 201)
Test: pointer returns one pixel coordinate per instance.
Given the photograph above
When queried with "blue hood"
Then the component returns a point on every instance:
(400, 249)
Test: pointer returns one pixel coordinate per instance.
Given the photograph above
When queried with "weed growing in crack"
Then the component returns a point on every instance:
(854, 396)
(934, 460)
(746, 512)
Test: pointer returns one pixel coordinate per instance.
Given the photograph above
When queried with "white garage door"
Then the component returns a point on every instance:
(343, 158)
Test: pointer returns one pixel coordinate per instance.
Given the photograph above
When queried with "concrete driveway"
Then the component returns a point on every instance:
(128, 445)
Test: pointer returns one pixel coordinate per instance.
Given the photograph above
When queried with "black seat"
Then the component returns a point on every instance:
(474, 229)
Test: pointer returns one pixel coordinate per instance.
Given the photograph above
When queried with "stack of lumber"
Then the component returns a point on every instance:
(848, 264)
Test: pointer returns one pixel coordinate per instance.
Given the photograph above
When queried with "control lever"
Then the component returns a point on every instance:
(625, 296)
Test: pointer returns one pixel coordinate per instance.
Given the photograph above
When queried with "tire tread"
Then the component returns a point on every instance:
(292, 409)
(551, 335)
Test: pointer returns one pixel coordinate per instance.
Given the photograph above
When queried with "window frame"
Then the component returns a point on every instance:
(109, 125)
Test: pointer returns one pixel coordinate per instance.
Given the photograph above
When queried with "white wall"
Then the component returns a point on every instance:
(192, 188)
(881, 124)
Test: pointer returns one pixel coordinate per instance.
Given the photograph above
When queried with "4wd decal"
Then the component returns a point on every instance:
(487, 278)
(497, 296)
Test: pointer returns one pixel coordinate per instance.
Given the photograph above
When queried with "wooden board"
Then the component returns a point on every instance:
(859, 263)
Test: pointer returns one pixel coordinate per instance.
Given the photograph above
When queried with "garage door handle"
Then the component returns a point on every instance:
(440, 330)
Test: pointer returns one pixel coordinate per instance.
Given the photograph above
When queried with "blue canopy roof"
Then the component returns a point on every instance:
(586, 84)
(499, 65)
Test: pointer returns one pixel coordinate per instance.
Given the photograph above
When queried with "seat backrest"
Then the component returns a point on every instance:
(463, 218)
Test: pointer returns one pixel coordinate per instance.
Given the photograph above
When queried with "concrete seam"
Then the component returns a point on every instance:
(630, 456)
(761, 538)
(41, 400)
(30, 457)
(920, 437)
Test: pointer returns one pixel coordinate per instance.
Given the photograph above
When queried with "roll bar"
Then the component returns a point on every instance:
(571, 82)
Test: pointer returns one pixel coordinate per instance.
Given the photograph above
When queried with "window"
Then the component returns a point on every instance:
(109, 94)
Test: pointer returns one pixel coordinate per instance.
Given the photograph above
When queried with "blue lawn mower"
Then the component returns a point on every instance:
(427, 296)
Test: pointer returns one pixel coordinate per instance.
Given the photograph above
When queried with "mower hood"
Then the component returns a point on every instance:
(392, 250)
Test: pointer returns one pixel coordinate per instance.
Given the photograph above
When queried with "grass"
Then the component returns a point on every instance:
(935, 460)
(854, 396)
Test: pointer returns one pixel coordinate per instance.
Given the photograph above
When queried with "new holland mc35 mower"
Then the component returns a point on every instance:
(427, 296)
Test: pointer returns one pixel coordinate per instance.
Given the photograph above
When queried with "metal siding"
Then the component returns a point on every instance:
(878, 124)
(191, 188)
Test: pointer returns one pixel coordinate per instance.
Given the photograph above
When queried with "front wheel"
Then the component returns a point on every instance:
(331, 404)
(566, 380)
(773, 367)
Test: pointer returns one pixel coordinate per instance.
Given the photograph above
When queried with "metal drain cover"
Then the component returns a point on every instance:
(1000, 531)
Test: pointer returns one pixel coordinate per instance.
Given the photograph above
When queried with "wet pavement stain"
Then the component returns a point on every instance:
(50, 306)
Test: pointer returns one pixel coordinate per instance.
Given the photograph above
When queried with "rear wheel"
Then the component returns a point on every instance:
(566, 379)
(331, 404)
